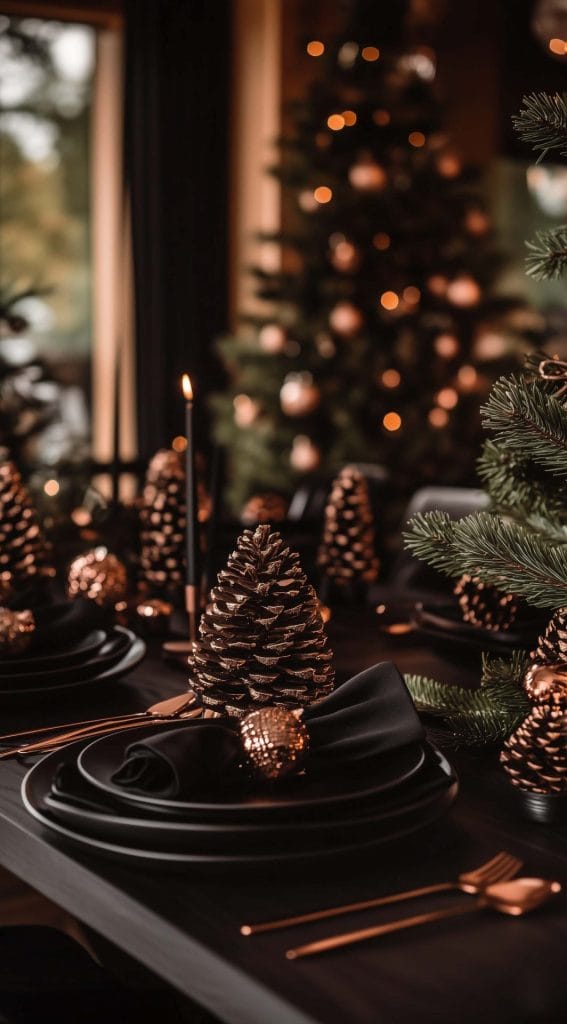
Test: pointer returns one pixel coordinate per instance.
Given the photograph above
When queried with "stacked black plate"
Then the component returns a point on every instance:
(68, 651)
(444, 627)
(310, 819)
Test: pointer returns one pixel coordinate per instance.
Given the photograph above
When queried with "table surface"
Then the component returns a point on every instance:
(185, 926)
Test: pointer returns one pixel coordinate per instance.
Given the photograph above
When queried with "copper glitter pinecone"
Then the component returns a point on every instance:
(484, 606)
(163, 521)
(552, 644)
(24, 552)
(262, 639)
(535, 755)
(347, 554)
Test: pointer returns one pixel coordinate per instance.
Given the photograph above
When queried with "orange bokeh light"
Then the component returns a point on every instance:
(447, 398)
(315, 48)
(51, 488)
(370, 53)
(335, 122)
(391, 378)
(381, 241)
(392, 421)
(323, 194)
(411, 294)
(416, 139)
(438, 418)
(381, 117)
(179, 443)
(558, 46)
(389, 300)
(350, 117)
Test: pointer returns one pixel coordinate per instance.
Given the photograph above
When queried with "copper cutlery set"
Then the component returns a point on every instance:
(493, 883)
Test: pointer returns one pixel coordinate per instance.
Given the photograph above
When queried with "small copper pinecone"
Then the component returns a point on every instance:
(347, 554)
(267, 507)
(552, 644)
(484, 606)
(262, 639)
(535, 755)
(24, 553)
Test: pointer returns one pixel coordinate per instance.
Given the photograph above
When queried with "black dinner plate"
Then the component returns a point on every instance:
(317, 795)
(127, 650)
(444, 626)
(81, 651)
(415, 816)
(60, 790)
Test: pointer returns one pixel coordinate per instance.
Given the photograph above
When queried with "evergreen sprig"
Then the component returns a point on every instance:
(542, 122)
(511, 556)
(517, 488)
(529, 421)
(477, 717)
(548, 254)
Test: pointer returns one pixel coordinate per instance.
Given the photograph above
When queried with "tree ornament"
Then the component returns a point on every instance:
(299, 396)
(98, 575)
(542, 681)
(535, 755)
(463, 291)
(262, 640)
(16, 631)
(305, 456)
(24, 552)
(275, 742)
(552, 644)
(268, 507)
(485, 606)
(367, 176)
(346, 319)
(347, 554)
(272, 339)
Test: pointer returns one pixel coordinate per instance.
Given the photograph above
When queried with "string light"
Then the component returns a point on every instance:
(381, 241)
(350, 118)
(447, 398)
(446, 345)
(411, 294)
(389, 300)
(392, 421)
(391, 378)
(81, 516)
(558, 47)
(467, 378)
(438, 418)
(51, 488)
(315, 48)
(323, 194)
(370, 53)
(381, 117)
(179, 443)
(449, 165)
(335, 122)
(416, 139)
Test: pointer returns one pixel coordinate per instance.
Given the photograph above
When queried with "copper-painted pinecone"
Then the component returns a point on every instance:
(552, 644)
(262, 640)
(24, 552)
(484, 606)
(535, 755)
(267, 507)
(346, 554)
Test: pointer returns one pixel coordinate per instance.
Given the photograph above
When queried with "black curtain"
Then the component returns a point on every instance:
(176, 156)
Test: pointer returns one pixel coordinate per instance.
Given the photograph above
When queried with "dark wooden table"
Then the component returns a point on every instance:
(185, 927)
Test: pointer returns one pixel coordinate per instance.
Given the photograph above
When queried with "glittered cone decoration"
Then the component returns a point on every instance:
(484, 606)
(162, 524)
(262, 640)
(346, 555)
(24, 552)
(535, 755)
(552, 644)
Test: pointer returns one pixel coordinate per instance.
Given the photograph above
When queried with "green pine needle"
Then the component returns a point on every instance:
(530, 422)
(542, 122)
(517, 489)
(548, 255)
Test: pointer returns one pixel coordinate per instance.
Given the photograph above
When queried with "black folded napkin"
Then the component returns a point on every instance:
(62, 625)
(370, 715)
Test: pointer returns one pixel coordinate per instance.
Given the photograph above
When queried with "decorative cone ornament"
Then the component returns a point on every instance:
(267, 507)
(16, 631)
(99, 576)
(163, 521)
(552, 644)
(262, 639)
(24, 552)
(535, 755)
(347, 554)
(483, 606)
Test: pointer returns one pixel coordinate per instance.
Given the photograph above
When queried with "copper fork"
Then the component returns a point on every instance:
(499, 869)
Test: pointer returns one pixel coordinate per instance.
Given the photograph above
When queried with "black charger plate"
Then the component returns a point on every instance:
(414, 817)
(126, 651)
(445, 628)
(301, 795)
(80, 651)
(69, 800)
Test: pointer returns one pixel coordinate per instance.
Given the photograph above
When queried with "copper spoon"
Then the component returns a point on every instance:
(516, 897)
(169, 708)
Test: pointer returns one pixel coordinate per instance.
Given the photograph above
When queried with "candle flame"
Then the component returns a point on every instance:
(187, 389)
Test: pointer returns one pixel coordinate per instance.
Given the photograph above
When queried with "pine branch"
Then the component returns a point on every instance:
(517, 489)
(542, 122)
(477, 717)
(548, 255)
(508, 555)
(530, 422)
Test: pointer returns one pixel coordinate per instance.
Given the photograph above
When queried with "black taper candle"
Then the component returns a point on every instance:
(193, 548)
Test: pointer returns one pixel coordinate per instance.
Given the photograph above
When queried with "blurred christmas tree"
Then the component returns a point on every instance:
(380, 331)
